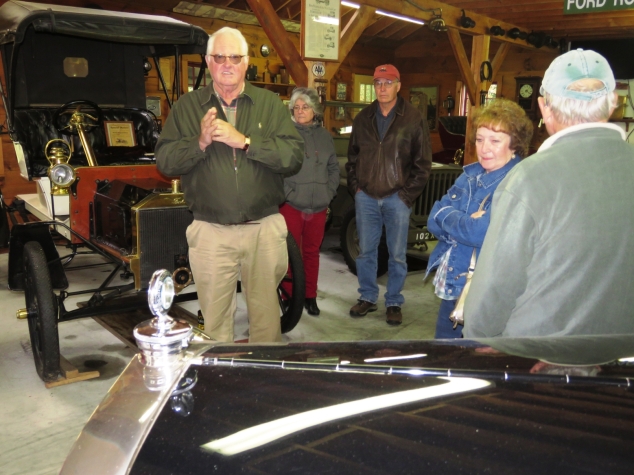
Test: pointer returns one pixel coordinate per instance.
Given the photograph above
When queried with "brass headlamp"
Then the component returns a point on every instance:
(61, 174)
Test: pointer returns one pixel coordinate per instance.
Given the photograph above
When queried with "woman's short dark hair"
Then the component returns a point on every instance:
(310, 97)
(503, 115)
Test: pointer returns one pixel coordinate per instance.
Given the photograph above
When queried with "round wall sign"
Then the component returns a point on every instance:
(318, 69)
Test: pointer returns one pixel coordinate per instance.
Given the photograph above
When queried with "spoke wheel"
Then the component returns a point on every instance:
(292, 306)
(41, 306)
(349, 240)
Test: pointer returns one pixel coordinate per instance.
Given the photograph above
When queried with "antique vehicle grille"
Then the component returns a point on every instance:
(143, 224)
(437, 185)
(161, 239)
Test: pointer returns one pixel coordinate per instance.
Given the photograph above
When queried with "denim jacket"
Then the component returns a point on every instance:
(451, 222)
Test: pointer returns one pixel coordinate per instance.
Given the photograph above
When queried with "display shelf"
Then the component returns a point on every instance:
(284, 90)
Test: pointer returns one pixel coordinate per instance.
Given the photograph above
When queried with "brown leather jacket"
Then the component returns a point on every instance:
(401, 163)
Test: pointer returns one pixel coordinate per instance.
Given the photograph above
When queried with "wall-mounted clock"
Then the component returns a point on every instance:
(527, 92)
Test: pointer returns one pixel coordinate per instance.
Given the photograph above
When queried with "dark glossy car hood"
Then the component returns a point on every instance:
(401, 407)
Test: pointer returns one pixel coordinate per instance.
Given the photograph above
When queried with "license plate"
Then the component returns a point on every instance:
(419, 236)
(425, 236)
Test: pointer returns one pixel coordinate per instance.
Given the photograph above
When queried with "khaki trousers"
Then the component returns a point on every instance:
(254, 252)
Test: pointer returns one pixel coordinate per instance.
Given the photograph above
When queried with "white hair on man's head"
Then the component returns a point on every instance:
(568, 111)
(237, 34)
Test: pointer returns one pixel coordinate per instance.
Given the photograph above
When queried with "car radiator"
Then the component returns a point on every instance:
(161, 239)
(439, 182)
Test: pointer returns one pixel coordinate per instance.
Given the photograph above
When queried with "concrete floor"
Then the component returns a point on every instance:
(39, 425)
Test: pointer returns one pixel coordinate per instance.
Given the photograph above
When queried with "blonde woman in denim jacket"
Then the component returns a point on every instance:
(502, 136)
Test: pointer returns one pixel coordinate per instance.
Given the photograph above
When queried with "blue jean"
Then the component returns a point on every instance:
(372, 214)
(444, 326)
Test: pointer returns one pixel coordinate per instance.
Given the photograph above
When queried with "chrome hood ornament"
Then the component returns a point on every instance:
(162, 340)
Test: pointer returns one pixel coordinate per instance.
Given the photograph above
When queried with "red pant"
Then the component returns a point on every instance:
(308, 231)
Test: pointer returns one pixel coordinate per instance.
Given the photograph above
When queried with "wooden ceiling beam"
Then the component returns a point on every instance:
(351, 32)
(500, 56)
(295, 11)
(480, 5)
(409, 29)
(463, 63)
(274, 29)
(282, 5)
(553, 18)
(583, 24)
(346, 16)
(451, 15)
(381, 24)
(479, 53)
(393, 29)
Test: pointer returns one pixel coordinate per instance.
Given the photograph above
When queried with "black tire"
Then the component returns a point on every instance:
(41, 306)
(349, 240)
(4, 223)
(292, 306)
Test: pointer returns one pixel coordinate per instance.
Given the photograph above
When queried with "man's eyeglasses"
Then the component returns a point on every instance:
(302, 108)
(221, 58)
(388, 84)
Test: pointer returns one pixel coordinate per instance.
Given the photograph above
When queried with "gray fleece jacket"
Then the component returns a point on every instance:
(312, 189)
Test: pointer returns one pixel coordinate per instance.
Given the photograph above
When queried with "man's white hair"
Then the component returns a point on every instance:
(574, 111)
(237, 34)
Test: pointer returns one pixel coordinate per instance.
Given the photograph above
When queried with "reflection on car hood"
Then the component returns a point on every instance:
(496, 405)
(570, 350)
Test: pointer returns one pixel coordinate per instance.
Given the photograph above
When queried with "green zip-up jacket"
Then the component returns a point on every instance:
(225, 185)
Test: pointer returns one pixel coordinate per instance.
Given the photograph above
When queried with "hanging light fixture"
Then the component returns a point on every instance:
(497, 31)
(466, 22)
(437, 23)
(551, 42)
(515, 33)
(536, 38)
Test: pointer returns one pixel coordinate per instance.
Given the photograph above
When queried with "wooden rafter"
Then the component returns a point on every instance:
(463, 63)
(497, 61)
(409, 29)
(274, 29)
(393, 29)
(381, 24)
(282, 5)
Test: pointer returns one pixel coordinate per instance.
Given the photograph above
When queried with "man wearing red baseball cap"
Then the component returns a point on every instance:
(389, 159)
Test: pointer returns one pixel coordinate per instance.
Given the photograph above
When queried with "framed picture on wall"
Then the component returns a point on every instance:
(342, 89)
(320, 29)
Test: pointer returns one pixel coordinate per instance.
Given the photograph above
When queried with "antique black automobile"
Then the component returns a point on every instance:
(77, 113)
(499, 405)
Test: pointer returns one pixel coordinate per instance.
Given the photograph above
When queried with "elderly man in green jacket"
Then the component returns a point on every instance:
(232, 144)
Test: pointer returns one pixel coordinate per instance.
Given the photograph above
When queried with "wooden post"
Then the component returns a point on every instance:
(479, 54)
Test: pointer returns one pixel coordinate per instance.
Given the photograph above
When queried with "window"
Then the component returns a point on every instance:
(76, 67)
(193, 69)
(364, 88)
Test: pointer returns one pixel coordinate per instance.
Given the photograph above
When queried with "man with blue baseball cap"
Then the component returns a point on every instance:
(558, 258)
